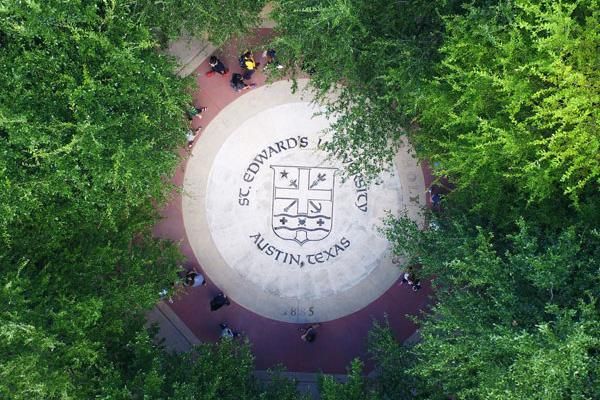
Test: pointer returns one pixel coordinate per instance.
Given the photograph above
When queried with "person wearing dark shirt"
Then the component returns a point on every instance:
(219, 301)
(217, 66)
(238, 84)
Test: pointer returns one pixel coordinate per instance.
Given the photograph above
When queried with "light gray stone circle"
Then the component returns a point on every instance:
(223, 232)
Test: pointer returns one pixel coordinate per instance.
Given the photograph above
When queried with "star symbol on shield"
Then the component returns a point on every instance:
(284, 174)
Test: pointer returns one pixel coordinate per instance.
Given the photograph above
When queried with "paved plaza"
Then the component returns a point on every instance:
(271, 220)
(274, 223)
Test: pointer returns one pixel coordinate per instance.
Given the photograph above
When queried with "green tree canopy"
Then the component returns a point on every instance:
(515, 103)
(502, 98)
(91, 117)
(375, 54)
(356, 386)
(515, 318)
(489, 91)
(217, 20)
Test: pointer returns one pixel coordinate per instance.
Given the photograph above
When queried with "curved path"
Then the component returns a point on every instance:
(275, 340)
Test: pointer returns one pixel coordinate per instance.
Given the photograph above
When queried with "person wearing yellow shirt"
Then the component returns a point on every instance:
(249, 65)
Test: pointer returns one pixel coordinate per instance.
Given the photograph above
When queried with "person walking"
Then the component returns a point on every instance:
(227, 332)
(219, 301)
(309, 334)
(416, 285)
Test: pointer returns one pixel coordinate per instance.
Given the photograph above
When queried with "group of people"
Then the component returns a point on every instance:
(308, 334)
(237, 80)
(248, 67)
(193, 279)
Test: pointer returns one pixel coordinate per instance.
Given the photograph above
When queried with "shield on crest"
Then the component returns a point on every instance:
(302, 208)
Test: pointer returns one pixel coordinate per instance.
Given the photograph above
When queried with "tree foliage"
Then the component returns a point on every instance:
(515, 318)
(393, 363)
(217, 20)
(91, 117)
(502, 97)
(374, 54)
(515, 102)
(356, 386)
(493, 91)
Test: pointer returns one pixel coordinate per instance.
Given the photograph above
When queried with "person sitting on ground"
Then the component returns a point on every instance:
(238, 84)
(164, 294)
(410, 277)
(416, 285)
(216, 66)
(172, 291)
(435, 194)
(407, 277)
(191, 136)
(310, 333)
(194, 112)
(270, 56)
(194, 279)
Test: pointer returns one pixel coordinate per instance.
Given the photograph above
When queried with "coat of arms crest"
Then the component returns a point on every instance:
(302, 202)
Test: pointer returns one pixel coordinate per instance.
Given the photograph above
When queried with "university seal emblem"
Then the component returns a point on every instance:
(302, 208)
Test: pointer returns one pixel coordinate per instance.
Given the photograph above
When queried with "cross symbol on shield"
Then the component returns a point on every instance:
(303, 198)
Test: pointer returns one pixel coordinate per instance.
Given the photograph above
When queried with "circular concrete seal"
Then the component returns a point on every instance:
(272, 222)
